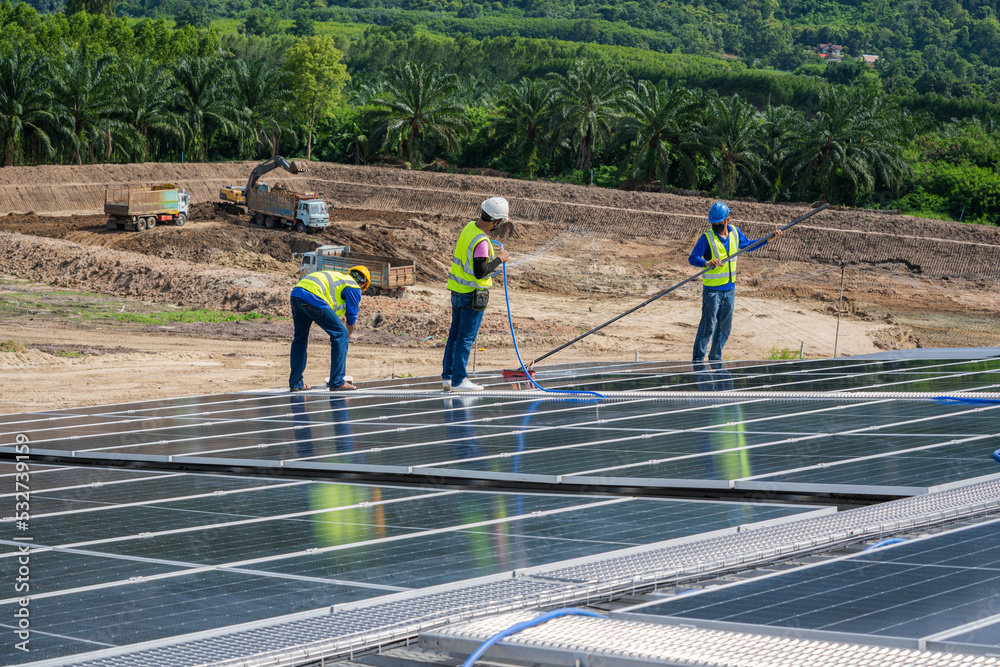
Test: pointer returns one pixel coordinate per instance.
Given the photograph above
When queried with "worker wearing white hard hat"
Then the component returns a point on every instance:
(469, 281)
(718, 295)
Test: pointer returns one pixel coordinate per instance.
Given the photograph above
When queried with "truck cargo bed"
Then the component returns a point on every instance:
(129, 202)
(388, 273)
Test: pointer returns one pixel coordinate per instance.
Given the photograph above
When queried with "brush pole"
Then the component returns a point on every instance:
(753, 246)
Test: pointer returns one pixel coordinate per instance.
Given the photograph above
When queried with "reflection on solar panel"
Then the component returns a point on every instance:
(937, 590)
(119, 557)
(844, 440)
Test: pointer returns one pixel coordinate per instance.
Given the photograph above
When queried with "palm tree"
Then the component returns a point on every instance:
(88, 104)
(854, 141)
(204, 102)
(419, 103)
(659, 118)
(781, 126)
(730, 138)
(357, 142)
(590, 98)
(145, 105)
(262, 91)
(25, 104)
(526, 113)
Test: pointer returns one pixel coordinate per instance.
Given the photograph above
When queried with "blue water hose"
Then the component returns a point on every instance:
(996, 456)
(885, 543)
(963, 399)
(524, 625)
(510, 321)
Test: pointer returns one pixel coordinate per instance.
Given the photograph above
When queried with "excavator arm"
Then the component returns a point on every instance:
(270, 165)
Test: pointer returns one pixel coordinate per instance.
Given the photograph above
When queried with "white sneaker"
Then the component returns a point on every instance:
(467, 385)
(445, 385)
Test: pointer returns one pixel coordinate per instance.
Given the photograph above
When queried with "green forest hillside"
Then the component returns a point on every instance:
(867, 103)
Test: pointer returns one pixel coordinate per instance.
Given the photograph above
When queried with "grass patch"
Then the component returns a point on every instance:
(930, 215)
(184, 317)
(775, 354)
(69, 354)
(11, 345)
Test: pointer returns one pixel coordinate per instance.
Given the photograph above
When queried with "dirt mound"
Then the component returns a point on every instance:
(218, 242)
(66, 264)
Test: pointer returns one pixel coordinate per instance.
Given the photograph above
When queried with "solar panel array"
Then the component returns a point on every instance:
(126, 556)
(942, 591)
(846, 439)
(119, 557)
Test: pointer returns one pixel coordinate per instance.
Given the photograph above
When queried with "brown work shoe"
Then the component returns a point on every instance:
(347, 386)
(304, 387)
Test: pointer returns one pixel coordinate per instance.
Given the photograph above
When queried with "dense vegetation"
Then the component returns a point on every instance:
(90, 87)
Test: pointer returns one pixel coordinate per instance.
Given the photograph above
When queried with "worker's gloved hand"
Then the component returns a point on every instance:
(503, 255)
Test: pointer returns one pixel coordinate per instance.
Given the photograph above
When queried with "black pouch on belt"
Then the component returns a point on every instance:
(480, 299)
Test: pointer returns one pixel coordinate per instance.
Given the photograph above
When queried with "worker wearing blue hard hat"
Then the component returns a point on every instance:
(718, 296)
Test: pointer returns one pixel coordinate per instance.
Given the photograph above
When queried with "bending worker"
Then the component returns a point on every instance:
(718, 296)
(470, 280)
(324, 297)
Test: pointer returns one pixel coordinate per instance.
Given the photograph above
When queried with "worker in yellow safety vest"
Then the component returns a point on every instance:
(469, 281)
(324, 297)
(718, 295)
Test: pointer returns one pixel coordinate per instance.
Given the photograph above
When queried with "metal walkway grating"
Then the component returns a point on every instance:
(599, 642)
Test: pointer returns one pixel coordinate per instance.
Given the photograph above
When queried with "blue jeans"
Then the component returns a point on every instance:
(303, 315)
(464, 330)
(716, 323)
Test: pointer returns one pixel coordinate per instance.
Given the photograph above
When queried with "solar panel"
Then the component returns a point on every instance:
(119, 557)
(928, 589)
(987, 636)
(832, 443)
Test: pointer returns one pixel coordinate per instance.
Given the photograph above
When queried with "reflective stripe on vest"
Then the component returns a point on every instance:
(462, 278)
(329, 286)
(725, 274)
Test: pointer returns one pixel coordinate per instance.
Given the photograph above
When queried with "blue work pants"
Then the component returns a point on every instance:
(463, 333)
(303, 315)
(716, 323)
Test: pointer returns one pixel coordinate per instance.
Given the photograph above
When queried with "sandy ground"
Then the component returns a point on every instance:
(579, 257)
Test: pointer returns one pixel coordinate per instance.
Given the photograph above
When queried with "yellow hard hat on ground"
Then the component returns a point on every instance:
(362, 276)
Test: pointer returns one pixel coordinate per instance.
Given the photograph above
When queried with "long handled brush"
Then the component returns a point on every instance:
(516, 374)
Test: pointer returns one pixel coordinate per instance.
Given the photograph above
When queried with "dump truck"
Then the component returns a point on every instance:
(278, 207)
(390, 275)
(275, 206)
(136, 209)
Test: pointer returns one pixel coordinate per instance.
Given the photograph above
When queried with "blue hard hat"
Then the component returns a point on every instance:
(718, 213)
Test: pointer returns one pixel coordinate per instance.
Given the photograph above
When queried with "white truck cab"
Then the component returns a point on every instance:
(313, 213)
(312, 261)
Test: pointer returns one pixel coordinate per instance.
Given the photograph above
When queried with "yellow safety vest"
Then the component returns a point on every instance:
(462, 279)
(726, 273)
(329, 286)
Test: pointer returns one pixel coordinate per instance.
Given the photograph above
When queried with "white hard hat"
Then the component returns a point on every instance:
(496, 208)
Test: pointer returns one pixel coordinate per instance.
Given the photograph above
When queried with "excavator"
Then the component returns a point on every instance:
(233, 197)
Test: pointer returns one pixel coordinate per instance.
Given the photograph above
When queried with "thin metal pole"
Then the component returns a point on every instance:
(802, 346)
(840, 304)
(752, 246)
